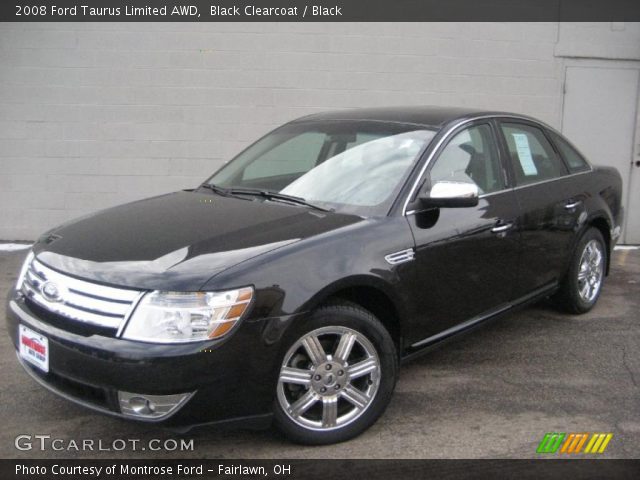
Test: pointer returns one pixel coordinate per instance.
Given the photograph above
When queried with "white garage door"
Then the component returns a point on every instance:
(600, 107)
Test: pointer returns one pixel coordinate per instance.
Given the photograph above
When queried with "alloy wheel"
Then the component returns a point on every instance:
(328, 378)
(590, 271)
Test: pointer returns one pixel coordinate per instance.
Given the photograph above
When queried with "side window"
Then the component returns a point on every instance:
(470, 156)
(532, 156)
(295, 156)
(574, 160)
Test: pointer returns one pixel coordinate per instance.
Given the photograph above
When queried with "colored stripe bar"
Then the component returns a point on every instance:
(577, 439)
(606, 441)
(557, 443)
(567, 442)
(598, 442)
(550, 442)
(574, 442)
(542, 448)
(594, 437)
(582, 441)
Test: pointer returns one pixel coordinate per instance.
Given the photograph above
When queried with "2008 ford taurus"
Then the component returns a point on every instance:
(288, 287)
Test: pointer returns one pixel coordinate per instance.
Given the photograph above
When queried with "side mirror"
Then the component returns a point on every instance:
(450, 195)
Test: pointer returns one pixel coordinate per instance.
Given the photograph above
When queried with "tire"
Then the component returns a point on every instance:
(333, 388)
(581, 287)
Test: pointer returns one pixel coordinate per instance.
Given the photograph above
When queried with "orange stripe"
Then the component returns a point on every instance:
(575, 442)
(567, 442)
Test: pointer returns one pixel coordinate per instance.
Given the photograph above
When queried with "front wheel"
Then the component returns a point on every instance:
(337, 376)
(582, 285)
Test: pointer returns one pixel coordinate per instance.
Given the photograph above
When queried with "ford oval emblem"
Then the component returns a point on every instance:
(51, 292)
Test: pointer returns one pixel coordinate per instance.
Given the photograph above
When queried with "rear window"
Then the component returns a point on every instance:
(573, 159)
(532, 156)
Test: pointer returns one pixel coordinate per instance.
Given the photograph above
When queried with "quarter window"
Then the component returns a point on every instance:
(471, 156)
(532, 156)
(573, 159)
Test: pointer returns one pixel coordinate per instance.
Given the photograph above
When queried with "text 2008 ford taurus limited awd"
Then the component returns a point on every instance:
(289, 285)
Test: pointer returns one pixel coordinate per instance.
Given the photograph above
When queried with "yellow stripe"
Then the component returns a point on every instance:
(605, 443)
(596, 445)
(591, 442)
(567, 442)
(584, 439)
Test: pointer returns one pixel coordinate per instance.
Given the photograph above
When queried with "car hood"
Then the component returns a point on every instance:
(178, 241)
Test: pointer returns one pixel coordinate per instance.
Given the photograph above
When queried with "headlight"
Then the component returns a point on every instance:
(23, 270)
(179, 317)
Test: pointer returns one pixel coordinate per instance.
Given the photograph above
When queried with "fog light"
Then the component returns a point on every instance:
(142, 406)
(154, 407)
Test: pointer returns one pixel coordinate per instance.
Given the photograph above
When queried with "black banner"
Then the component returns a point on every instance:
(316, 11)
(325, 469)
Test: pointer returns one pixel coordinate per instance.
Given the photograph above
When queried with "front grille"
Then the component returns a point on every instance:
(67, 324)
(76, 305)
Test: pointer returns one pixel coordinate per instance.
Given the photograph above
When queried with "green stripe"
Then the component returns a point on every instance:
(550, 442)
(558, 442)
(542, 448)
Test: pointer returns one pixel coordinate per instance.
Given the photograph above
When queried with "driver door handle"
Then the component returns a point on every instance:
(502, 227)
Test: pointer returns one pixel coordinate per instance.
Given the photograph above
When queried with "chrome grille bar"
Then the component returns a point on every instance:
(79, 300)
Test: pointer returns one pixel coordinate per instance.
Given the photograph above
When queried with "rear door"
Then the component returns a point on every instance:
(466, 258)
(551, 203)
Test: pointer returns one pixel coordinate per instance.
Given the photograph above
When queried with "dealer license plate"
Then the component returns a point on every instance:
(34, 348)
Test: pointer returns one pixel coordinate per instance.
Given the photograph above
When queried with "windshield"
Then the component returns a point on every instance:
(350, 166)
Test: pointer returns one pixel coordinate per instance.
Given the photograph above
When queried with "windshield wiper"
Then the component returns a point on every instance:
(228, 192)
(269, 195)
(216, 189)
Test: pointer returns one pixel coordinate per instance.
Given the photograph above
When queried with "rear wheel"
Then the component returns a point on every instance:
(582, 285)
(336, 377)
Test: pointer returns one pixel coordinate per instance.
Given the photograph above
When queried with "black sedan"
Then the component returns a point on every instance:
(288, 287)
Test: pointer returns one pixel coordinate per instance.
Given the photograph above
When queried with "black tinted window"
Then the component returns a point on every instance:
(574, 160)
(532, 156)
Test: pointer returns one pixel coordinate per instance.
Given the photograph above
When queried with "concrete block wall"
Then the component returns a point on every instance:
(94, 115)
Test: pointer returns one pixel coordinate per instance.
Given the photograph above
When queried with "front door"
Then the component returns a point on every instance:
(466, 258)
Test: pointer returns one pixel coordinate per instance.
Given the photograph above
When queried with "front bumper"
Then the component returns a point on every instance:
(231, 378)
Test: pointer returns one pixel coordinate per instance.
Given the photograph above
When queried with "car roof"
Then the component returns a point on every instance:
(429, 116)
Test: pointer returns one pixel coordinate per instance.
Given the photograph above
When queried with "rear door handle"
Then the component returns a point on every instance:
(570, 205)
(502, 227)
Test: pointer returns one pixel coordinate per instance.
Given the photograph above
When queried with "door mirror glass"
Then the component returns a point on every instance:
(451, 195)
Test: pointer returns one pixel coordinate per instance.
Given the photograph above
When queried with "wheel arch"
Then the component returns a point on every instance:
(371, 293)
(603, 226)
